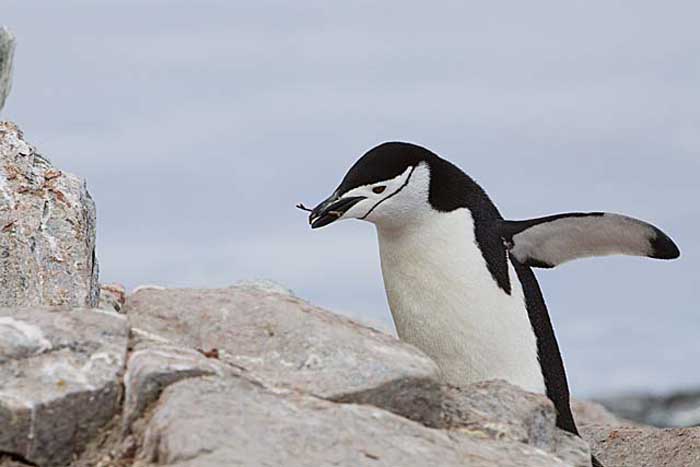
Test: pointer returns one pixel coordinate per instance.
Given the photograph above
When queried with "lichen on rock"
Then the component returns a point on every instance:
(47, 230)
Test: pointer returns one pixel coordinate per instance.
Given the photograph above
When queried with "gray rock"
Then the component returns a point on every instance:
(279, 339)
(47, 230)
(493, 409)
(208, 422)
(282, 342)
(112, 297)
(8, 462)
(593, 413)
(644, 446)
(571, 449)
(60, 375)
(151, 369)
(7, 51)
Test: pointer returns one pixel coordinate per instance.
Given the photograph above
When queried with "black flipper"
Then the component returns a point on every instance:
(556, 385)
(547, 242)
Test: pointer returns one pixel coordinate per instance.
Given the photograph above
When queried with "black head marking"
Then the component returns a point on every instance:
(450, 189)
(383, 162)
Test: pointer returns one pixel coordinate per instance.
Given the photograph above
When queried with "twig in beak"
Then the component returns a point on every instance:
(303, 208)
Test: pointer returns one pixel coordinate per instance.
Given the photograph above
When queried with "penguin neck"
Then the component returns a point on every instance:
(445, 301)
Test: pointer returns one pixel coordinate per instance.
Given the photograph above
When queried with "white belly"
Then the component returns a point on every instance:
(445, 302)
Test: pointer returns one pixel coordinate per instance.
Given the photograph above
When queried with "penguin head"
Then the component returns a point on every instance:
(390, 186)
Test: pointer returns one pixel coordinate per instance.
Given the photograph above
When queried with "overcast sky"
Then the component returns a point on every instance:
(199, 126)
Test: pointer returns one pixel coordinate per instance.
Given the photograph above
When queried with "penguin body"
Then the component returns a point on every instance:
(458, 277)
(485, 332)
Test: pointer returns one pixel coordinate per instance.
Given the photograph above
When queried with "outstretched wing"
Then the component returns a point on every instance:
(550, 241)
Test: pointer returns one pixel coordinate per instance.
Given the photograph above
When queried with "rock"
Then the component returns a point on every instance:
(112, 297)
(7, 51)
(9, 462)
(677, 410)
(507, 411)
(571, 449)
(60, 379)
(47, 230)
(279, 340)
(593, 413)
(644, 446)
(211, 422)
(282, 342)
(494, 409)
(150, 370)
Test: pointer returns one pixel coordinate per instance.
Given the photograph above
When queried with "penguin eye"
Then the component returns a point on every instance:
(379, 189)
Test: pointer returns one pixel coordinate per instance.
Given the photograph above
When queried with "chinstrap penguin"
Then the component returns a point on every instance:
(458, 276)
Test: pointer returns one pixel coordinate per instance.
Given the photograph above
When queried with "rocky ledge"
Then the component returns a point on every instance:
(245, 376)
(248, 375)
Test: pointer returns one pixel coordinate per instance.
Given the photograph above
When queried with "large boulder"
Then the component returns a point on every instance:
(210, 422)
(7, 49)
(284, 344)
(279, 339)
(47, 230)
(60, 379)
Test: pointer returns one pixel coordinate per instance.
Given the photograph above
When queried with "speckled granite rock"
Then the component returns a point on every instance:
(7, 49)
(593, 413)
(47, 230)
(279, 339)
(252, 375)
(112, 297)
(493, 409)
(154, 367)
(644, 446)
(284, 343)
(208, 422)
(60, 379)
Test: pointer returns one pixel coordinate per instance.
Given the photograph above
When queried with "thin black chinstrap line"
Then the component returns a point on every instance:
(393, 194)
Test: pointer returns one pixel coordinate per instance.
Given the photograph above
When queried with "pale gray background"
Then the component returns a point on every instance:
(200, 124)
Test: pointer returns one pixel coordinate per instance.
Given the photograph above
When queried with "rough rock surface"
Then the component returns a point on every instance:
(7, 49)
(251, 375)
(240, 423)
(47, 230)
(493, 409)
(154, 367)
(280, 339)
(112, 297)
(59, 379)
(285, 344)
(593, 413)
(644, 446)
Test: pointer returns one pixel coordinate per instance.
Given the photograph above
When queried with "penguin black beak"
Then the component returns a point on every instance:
(331, 209)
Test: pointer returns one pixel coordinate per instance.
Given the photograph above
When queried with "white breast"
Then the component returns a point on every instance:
(445, 302)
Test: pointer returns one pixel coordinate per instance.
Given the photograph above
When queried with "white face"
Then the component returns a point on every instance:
(394, 202)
